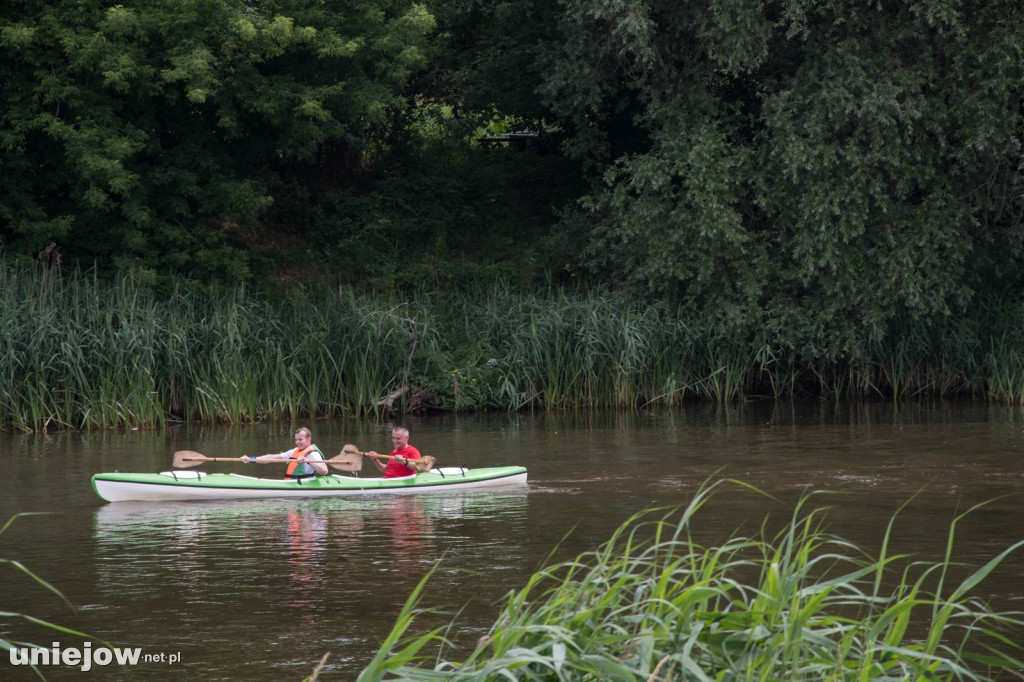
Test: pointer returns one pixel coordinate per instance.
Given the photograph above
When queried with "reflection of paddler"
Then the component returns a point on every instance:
(407, 526)
(306, 535)
(410, 528)
(403, 451)
(303, 457)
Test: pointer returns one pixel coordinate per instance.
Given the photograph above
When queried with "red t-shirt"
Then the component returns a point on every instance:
(395, 469)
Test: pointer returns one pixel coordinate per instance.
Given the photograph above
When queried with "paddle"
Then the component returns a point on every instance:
(345, 461)
(422, 464)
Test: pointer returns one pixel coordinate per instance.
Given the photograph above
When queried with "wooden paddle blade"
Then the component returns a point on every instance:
(349, 449)
(422, 464)
(346, 461)
(345, 466)
(188, 458)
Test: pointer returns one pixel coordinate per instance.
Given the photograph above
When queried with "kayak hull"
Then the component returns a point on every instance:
(196, 485)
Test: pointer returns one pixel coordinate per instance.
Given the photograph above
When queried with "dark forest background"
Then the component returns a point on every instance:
(805, 179)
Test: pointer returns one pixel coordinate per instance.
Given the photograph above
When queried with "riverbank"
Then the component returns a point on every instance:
(78, 351)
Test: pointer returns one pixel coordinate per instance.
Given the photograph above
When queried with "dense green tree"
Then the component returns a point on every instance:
(799, 170)
(143, 134)
(488, 62)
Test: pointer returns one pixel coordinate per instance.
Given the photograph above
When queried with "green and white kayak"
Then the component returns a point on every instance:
(198, 485)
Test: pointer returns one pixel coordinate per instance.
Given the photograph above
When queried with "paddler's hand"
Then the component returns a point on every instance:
(246, 459)
(400, 459)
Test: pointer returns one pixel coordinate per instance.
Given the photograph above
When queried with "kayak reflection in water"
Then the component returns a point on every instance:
(403, 451)
(302, 456)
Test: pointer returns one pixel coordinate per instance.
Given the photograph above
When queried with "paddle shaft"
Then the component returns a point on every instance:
(188, 458)
(226, 459)
(422, 464)
(348, 451)
(350, 460)
(252, 460)
(367, 454)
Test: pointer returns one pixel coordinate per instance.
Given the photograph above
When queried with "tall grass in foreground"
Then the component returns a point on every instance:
(7, 618)
(77, 351)
(652, 604)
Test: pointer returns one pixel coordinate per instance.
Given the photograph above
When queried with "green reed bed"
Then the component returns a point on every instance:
(80, 351)
(797, 604)
(1004, 361)
(568, 351)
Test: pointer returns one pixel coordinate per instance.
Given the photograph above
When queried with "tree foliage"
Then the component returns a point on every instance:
(145, 132)
(799, 173)
(488, 61)
(799, 170)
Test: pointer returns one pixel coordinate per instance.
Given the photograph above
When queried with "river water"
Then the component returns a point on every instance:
(261, 590)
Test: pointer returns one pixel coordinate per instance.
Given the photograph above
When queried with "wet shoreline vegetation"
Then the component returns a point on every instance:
(78, 351)
(793, 604)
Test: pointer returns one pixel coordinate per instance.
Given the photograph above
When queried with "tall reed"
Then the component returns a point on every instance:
(799, 604)
(80, 351)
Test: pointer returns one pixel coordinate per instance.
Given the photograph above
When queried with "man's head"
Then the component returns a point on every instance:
(303, 437)
(400, 436)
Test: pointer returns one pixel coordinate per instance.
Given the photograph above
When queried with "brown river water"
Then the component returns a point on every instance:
(261, 590)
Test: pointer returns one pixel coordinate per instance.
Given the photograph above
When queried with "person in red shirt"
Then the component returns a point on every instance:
(402, 452)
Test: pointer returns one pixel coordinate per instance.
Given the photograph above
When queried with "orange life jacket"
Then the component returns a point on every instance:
(295, 459)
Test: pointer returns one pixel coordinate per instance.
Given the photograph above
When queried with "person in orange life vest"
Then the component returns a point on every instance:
(302, 455)
(402, 452)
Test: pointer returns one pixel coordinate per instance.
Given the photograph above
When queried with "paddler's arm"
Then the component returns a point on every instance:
(404, 461)
(262, 458)
(376, 462)
(317, 464)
